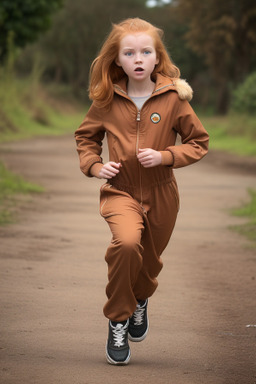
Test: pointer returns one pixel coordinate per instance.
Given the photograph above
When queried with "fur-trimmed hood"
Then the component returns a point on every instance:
(184, 90)
(163, 84)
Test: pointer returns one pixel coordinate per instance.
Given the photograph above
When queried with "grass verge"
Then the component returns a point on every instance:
(236, 133)
(11, 187)
(232, 133)
(249, 211)
(28, 109)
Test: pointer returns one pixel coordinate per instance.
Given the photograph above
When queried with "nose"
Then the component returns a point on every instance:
(138, 58)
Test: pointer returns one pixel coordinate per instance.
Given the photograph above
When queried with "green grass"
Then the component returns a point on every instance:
(27, 112)
(28, 109)
(236, 133)
(28, 127)
(232, 133)
(11, 187)
(249, 211)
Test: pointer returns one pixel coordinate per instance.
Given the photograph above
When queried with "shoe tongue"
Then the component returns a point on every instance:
(115, 323)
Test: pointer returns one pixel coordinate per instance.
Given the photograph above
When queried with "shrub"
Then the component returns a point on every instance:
(244, 96)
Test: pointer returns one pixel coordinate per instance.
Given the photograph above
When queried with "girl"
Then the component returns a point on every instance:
(141, 104)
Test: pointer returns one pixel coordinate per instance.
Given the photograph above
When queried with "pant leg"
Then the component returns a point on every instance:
(162, 203)
(124, 255)
(138, 240)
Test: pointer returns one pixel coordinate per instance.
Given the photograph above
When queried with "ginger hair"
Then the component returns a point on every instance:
(105, 72)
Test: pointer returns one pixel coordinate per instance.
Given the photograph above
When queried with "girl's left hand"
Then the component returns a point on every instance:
(149, 157)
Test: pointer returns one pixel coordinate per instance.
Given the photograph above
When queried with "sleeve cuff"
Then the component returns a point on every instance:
(86, 168)
(167, 158)
(96, 170)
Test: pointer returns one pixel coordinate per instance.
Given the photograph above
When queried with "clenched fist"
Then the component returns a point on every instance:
(149, 157)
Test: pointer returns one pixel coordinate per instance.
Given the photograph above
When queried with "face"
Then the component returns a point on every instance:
(137, 56)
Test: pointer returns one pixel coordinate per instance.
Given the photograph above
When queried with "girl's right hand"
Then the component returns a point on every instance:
(109, 170)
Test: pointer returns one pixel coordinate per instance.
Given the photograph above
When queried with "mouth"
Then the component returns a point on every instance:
(139, 69)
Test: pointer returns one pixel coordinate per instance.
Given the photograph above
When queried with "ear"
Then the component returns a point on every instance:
(157, 60)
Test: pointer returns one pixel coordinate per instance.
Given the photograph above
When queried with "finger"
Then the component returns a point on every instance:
(112, 172)
(142, 151)
(108, 174)
(147, 165)
(112, 166)
(145, 158)
(143, 155)
(108, 169)
(115, 165)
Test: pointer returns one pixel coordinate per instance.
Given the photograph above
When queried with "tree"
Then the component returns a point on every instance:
(77, 34)
(244, 96)
(24, 20)
(166, 17)
(224, 33)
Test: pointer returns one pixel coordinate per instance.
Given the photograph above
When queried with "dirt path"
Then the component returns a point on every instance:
(53, 277)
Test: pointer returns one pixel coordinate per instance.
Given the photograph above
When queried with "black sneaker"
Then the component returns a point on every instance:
(117, 349)
(138, 324)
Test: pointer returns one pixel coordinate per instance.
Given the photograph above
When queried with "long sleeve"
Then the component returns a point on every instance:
(194, 138)
(89, 137)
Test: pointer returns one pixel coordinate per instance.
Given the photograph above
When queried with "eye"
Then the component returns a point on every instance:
(128, 53)
(147, 52)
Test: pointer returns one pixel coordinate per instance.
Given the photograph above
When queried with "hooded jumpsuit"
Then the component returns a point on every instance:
(140, 204)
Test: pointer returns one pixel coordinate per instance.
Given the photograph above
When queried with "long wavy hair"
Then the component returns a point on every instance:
(105, 72)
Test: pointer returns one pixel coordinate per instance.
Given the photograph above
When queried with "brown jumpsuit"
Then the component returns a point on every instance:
(140, 204)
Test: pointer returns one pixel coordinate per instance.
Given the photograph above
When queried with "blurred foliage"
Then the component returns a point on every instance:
(80, 28)
(234, 133)
(223, 33)
(28, 108)
(212, 42)
(24, 20)
(244, 96)
(76, 36)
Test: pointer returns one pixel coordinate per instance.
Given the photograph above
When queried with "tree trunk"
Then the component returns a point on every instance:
(223, 98)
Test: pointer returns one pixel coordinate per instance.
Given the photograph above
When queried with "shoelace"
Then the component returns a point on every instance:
(138, 315)
(119, 335)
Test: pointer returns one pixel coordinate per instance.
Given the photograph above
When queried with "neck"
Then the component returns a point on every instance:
(140, 89)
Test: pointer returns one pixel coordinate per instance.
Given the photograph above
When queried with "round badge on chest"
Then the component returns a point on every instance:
(155, 118)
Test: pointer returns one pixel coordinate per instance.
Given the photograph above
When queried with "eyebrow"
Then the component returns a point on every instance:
(130, 48)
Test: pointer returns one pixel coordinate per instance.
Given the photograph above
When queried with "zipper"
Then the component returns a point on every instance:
(138, 132)
(159, 89)
(137, 136)
(139, 165)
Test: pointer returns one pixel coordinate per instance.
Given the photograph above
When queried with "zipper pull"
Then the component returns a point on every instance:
(138, 116)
